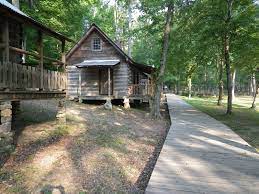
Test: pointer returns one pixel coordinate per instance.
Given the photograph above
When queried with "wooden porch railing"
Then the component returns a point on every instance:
(139, 90)
(20, 77)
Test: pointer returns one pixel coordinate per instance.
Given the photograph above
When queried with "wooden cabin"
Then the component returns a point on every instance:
(98, 69)
(20, 80)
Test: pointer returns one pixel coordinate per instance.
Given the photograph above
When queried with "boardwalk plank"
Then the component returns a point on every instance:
(202, 155)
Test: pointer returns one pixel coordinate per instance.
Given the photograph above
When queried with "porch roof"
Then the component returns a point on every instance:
(98, 63)
(10, 11)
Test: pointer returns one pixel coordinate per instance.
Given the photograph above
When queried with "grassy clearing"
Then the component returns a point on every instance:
(244, 121)
(98, 151)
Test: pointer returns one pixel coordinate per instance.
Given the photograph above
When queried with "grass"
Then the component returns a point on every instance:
(59, 131)
(244, 121)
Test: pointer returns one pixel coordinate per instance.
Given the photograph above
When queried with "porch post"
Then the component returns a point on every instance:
(109, 82)
(6, 54)
(79, 83)
(108, 104)
(63, 59)
(40, 50)
(6, 39)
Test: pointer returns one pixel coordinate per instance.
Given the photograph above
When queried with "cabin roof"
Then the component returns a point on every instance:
(13, 12)
(142, 67)
(99, 63)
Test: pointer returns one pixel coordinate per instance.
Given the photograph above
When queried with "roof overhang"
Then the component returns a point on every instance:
(145, 68)
(98, 63)
(7, 9)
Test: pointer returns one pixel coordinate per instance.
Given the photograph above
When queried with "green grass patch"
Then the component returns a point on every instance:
(244, 121)
(60, 131)
(106, 138)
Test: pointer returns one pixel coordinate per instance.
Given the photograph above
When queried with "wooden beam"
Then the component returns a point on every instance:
(6, 39)
(28, 95)
(109, 82)
(63, 57)
(18, 50)
(40, 50)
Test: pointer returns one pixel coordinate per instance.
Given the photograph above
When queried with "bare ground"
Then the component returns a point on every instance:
(98, 151)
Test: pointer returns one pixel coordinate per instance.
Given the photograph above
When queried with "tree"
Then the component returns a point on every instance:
(155, 111)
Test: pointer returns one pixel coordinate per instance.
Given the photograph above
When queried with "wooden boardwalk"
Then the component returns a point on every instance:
(202, 155)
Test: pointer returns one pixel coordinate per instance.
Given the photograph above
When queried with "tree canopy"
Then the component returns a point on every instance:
(207, 37)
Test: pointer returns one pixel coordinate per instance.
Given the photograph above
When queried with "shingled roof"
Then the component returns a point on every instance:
(144, 68)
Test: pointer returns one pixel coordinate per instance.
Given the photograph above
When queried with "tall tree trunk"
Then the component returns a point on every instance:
(178, 83)
(189, 80)
(221, 84)
(31, 3)
(155, 111)
(116, 22)
(226, 55)
(233, 83)
(255, 90)
(129, 27)
(16, 3)
(251, 87)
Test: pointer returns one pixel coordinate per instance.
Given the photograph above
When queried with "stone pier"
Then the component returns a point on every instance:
(126, 103)
(5, 117)
(61, 114)
(6, 135)
(16, 110)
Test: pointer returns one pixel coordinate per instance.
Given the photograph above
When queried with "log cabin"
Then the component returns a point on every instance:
(20, 80)
(98, 69)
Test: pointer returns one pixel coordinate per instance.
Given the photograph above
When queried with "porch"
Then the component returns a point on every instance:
(135, 92)
(25, 70)
(20, 82)
(140, 90)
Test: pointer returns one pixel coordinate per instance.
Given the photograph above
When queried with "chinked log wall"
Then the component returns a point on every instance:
(20, 77)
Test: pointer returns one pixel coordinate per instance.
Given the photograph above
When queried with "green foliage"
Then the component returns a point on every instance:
(60, 131)
(196, 43)
(69, 18)
(6, 143)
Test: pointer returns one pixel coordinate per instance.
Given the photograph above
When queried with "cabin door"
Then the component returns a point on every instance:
(103, 81)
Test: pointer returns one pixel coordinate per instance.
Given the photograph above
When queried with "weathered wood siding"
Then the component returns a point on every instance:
(90, 76)
(90, 82)
(72, 81)
(120, 80)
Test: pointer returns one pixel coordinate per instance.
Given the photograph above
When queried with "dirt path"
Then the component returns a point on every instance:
(98, 151)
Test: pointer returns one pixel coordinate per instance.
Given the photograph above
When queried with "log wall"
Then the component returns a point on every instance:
(90, 77)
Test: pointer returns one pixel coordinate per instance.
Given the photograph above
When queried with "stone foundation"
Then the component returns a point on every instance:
(108, 104)
(126, 103)
(6, 135)
(5, 117)
(61, 114)
(16, 110)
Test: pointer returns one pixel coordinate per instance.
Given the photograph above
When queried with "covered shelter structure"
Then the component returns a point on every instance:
(20, 80)
(98, 69)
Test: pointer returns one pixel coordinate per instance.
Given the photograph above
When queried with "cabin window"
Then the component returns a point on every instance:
(96, 44)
